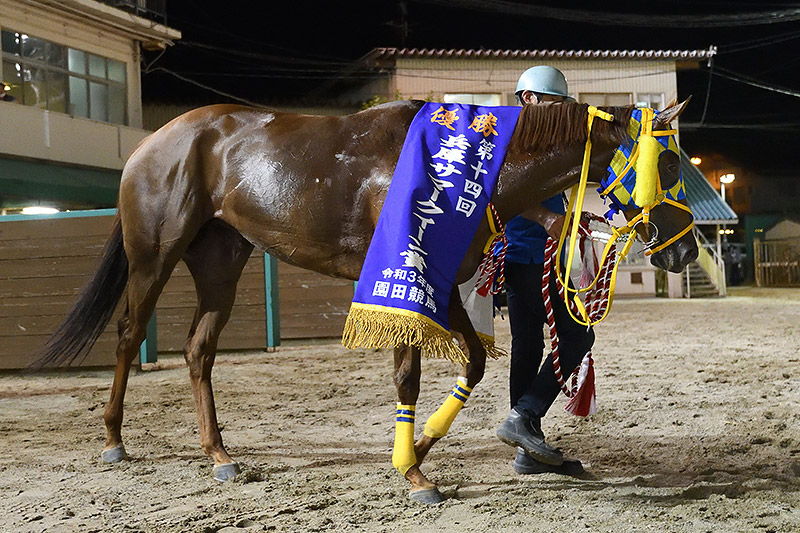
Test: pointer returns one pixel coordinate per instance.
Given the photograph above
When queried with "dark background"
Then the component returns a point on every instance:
(293, 51)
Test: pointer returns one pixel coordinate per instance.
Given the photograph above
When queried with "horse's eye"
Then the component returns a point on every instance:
(670, 168)
(669, 181)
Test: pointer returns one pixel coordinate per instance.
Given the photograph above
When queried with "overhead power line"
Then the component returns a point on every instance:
(776, 126)
(604, 18)
(758, 43)
(741, 78)
(204, 86)
(265, 57)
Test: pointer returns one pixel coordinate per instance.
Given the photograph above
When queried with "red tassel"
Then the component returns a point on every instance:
(583, 401)
(483, 290)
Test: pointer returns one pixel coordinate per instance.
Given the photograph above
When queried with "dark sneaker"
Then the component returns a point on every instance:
(520, 430)
(525, 465)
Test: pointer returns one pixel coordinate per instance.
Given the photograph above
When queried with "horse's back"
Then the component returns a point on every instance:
(307, 188)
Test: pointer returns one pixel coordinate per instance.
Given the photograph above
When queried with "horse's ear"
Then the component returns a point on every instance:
(671, 112)
(672, 103)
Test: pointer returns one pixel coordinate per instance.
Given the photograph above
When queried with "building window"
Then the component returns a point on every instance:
(652, 100)
(477, 99)
(58, 78)
(606, 99)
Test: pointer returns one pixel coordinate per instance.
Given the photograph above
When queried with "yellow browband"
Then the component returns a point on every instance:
(576, 205)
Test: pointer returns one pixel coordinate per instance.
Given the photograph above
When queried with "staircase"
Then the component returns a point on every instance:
(706, 276)
(697, 283)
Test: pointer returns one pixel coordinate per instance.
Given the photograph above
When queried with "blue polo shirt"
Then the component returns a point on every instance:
(527, 239)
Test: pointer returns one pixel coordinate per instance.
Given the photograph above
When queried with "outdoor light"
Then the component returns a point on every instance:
(727, 178)
(695, 160)
(39, 210)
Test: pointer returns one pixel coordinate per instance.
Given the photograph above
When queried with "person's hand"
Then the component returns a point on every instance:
(552, 222)
(554, 225)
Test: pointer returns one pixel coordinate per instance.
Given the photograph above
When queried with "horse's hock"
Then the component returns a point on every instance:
(44, 262)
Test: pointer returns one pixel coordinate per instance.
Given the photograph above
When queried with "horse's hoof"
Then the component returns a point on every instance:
(226, 472)
(115, 454)
(427, 496)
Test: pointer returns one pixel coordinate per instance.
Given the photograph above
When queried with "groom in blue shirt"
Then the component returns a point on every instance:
(533, 388)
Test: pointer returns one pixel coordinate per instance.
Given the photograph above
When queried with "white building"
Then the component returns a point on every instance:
(72, 68)
(489, 77)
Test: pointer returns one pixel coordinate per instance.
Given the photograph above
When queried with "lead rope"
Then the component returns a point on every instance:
(582, 392)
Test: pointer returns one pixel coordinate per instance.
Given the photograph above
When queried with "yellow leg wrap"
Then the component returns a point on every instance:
(403, 456)
(439, 423)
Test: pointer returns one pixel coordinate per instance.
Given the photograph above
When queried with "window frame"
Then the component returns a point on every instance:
(26, 62)
(590, 94)
(638, 99)
(498, 96)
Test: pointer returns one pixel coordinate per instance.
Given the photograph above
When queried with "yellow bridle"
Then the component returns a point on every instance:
(647, 194)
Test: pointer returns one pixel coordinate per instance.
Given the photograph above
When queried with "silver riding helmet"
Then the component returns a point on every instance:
(542, 79)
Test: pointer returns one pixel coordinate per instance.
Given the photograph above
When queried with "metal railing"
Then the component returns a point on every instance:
(710, 260)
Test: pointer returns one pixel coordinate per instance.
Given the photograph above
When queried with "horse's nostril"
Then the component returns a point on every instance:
(688, 255)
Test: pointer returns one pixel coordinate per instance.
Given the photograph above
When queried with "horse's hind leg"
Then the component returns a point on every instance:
(114, 451)
(215, 258)
(148, 273)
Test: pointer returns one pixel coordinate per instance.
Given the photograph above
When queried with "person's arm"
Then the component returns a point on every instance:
(550, 221)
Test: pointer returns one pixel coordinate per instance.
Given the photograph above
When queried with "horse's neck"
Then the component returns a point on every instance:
(529, 180)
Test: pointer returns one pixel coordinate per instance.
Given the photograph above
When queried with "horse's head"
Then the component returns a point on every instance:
(646, 184)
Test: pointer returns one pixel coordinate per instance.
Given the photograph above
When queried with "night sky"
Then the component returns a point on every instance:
(293, 50)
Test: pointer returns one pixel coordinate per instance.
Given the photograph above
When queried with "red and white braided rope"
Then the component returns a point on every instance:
(595, 304)
(491, 277)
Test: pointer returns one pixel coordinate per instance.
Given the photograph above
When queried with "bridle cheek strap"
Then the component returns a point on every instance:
(678, 235)
(576, 206)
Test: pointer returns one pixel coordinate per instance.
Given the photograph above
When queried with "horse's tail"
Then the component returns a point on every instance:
(93, 310)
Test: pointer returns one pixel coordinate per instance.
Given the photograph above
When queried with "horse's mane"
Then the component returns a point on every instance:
(544, 127)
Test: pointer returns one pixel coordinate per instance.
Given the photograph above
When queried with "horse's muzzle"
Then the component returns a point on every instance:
(675, 258)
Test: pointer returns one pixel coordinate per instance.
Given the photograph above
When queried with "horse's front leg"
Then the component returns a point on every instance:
(439, 423)
(406, 379)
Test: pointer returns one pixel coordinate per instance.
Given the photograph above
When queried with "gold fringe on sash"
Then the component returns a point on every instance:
(375, 326)
(492, 350)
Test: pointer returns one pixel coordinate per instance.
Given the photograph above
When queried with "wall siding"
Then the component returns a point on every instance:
(419, 77)
(44, 263)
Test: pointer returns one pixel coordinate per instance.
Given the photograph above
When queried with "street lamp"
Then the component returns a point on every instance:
(723, 180)
(695, 160)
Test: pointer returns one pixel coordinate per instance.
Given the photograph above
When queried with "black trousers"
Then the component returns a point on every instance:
(534, 389)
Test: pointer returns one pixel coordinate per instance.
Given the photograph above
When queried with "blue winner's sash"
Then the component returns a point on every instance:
(439, 194)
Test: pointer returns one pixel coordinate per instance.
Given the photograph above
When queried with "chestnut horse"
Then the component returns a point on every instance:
(218, 181)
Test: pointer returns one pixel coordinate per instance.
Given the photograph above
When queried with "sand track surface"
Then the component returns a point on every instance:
(697, 430)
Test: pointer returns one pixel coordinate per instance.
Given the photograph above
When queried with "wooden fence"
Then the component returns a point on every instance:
(777, 263)
(45, 261)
